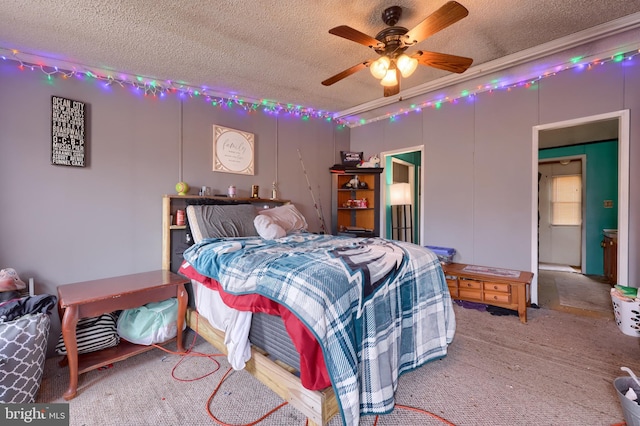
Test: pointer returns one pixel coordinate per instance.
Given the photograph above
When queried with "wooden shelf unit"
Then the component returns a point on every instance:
(505, 292)
(356, 220)
(93, 360)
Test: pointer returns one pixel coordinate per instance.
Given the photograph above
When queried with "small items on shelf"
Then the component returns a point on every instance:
(355, 183)
(356, 204)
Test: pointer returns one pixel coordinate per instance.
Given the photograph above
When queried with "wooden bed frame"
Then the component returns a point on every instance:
(318, 406)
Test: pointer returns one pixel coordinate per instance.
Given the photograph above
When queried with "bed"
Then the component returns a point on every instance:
(355, 313)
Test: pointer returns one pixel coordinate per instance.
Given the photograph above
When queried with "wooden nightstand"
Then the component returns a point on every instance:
(93, 298)
(506, 288)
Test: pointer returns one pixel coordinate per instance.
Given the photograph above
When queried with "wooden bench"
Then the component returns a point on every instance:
(505, 288)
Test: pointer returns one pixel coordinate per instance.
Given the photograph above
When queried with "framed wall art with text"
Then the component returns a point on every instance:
(233, 151)
(68, 141)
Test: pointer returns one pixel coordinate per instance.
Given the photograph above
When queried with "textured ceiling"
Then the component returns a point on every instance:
(279, 49)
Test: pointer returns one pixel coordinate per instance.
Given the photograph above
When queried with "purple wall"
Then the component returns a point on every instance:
(66, 224)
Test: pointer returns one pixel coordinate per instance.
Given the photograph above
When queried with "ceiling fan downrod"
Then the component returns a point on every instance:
(391, 15)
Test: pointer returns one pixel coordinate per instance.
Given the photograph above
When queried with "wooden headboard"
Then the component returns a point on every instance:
(173, 236)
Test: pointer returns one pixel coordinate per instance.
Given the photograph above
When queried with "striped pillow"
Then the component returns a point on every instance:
(93, 334)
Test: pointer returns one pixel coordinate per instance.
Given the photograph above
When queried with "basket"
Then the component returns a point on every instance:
(631, 409)
(627, 314)
(445, 254)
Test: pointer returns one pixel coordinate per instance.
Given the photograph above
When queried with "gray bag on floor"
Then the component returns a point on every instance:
(23, 345)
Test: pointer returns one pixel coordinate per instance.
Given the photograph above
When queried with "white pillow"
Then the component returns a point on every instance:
(287, 217)
(267, 228)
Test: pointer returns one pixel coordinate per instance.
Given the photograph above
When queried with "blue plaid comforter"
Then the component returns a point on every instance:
(377, 307)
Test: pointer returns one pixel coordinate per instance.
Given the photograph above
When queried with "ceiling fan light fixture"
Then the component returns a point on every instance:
(379, 67)
(407, 65)
(390, 78)
(390, 44)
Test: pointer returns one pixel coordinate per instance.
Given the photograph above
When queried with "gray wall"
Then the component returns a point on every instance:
(62, 225)
(478, 158)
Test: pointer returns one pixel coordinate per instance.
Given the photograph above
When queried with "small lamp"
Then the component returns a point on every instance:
(400, 195)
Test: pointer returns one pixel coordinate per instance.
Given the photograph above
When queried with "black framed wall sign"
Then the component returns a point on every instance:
(67, 132)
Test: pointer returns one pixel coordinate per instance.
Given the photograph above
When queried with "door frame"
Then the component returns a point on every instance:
(412, 183)
(623, 191)
(383, 189)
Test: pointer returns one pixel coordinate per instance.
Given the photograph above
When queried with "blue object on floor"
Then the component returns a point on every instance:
(445, 254)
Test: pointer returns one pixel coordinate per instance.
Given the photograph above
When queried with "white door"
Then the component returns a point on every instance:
(558, 244)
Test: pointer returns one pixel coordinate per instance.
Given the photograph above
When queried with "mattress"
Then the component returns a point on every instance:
(265, 331)
(269, 334)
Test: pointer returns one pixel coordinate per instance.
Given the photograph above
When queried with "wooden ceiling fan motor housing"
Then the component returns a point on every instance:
(392, 37)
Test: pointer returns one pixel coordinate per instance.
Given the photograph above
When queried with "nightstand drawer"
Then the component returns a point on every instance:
(492, 297)
(470, 294)
(497, 287)
(465, 283)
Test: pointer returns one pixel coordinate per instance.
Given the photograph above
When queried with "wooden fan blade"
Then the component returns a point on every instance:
(346, 73)
(393, 90)
(352, 34)
(447, 15)
(453, 63)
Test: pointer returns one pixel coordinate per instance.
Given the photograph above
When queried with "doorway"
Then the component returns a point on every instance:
(402, 201)
(402, 166)
(619, 121)
(561, 199)
(566, 182)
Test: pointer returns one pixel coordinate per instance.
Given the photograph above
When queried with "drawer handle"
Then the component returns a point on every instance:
(469, 285)
(495, 287)
(495, 297)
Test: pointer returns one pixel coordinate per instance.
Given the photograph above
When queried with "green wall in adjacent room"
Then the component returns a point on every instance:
(601, 184)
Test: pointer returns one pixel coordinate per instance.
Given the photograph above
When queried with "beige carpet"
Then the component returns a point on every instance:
(558, 369)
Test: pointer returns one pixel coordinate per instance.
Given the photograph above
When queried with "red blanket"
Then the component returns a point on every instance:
(313, 372)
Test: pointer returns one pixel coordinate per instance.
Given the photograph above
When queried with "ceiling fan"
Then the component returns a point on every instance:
(391, 42)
